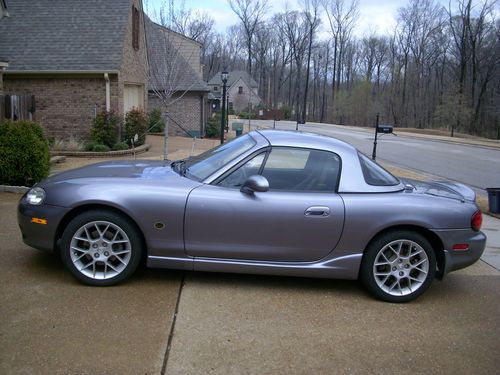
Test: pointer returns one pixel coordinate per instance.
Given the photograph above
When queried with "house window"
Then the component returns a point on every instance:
(135, 27)
(240, 90)
(216, 88)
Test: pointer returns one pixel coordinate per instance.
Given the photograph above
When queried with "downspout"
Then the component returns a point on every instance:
(108, 92)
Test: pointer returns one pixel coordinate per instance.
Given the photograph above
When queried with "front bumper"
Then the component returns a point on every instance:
(457, 259)
(39, 236)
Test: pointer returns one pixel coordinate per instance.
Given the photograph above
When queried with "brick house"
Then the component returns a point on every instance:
(3, 61)
(176, 79)
(242, 91)
(77, 58)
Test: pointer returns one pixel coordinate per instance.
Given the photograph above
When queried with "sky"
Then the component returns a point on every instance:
(378, 16)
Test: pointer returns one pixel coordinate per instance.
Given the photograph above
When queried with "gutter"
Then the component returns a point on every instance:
(108, 92)
(61, 72)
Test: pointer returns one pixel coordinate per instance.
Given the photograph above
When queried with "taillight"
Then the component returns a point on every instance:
(477, 220)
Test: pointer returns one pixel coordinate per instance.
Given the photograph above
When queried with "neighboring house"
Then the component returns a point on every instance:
(3, 61)
(77, 58)
(242, 91)
(176, 79)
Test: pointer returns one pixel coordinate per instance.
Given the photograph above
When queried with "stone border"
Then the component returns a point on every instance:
(92, 154)
(13, 189)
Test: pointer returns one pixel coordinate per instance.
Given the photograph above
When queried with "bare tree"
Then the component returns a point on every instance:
(170, 75)
(342, 17)
(311, 15)
(250, 13)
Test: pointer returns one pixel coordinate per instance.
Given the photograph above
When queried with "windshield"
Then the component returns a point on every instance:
(374, 174)
(201, 166)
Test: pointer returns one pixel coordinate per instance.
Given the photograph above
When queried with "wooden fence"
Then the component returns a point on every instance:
(17, 107)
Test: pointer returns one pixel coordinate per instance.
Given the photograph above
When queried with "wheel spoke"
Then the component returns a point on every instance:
(121, 252)
(87, 233)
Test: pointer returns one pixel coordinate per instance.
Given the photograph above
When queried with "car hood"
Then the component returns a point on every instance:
(144, 169)
(442, 188)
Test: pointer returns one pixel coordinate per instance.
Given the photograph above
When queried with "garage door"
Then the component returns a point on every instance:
(133, 97)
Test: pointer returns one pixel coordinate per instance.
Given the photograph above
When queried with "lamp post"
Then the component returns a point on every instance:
(224, 76)
(374, 153)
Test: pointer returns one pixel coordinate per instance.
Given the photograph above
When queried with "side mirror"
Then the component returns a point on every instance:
(254, 184)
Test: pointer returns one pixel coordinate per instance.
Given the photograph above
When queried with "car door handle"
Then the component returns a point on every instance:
(320, 211)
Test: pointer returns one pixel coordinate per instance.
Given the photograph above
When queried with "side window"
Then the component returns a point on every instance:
(238, 177)
(296, 169)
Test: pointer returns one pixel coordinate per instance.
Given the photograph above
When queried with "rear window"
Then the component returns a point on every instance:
(374, 174)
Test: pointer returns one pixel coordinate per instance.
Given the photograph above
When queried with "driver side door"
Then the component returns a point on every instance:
(300, 218)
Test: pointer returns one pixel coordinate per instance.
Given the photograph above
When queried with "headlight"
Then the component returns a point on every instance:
(35, 196)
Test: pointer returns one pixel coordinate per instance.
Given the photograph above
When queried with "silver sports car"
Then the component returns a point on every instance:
(268, 202)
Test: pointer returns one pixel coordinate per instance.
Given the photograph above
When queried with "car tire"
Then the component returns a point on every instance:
(101, 248)
(398, 266)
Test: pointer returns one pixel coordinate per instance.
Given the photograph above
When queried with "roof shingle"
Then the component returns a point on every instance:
(64, 35)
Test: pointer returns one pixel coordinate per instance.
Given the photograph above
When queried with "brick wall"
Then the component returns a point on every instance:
(134, 68)
(65, 105)
(187, 111)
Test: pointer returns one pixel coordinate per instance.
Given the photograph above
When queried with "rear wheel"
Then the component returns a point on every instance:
(101, 248)
(398, 266)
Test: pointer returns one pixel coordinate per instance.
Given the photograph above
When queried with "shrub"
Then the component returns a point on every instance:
(71, 144)
(97, 147)
(246, 115)
(135, 123)
(24, 153)
(156, 123)
(105, 129)
(212, 130)
(120, 146)
(287, 112)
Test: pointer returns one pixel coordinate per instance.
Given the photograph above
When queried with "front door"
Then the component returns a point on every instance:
(299, 219)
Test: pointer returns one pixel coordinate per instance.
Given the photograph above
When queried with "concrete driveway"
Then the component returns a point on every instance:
(51, 324)
(237, 324)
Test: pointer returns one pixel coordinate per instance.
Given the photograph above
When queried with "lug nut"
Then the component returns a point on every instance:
(94, 245)
(394, 268)
(104, 244)
(106, 253)
(401, 273)
(96, 255)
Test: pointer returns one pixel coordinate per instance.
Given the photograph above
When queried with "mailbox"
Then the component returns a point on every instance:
(386, 129)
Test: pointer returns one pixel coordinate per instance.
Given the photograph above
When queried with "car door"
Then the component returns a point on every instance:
(299, 219)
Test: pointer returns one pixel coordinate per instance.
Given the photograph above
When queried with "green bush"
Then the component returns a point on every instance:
(120, 146)
(97, 147)
(24, 153)
(156, 123)
(105, 129)
(212, 130)
(135, 123)
(246, 115)
(287, 112)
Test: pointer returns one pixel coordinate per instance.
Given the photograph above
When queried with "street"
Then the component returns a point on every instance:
(476, 166)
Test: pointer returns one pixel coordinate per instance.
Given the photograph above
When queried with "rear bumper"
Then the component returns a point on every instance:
(39, 236)
(457, 259)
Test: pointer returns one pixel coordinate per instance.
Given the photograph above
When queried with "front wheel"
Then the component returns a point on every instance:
(101, 248)
(398, 266)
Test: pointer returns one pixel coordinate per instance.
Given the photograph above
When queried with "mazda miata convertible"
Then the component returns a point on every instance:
(268, 202)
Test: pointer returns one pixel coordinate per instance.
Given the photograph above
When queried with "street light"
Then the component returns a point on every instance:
(224, 77)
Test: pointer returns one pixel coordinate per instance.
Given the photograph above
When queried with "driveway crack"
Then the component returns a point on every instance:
(172, 326)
